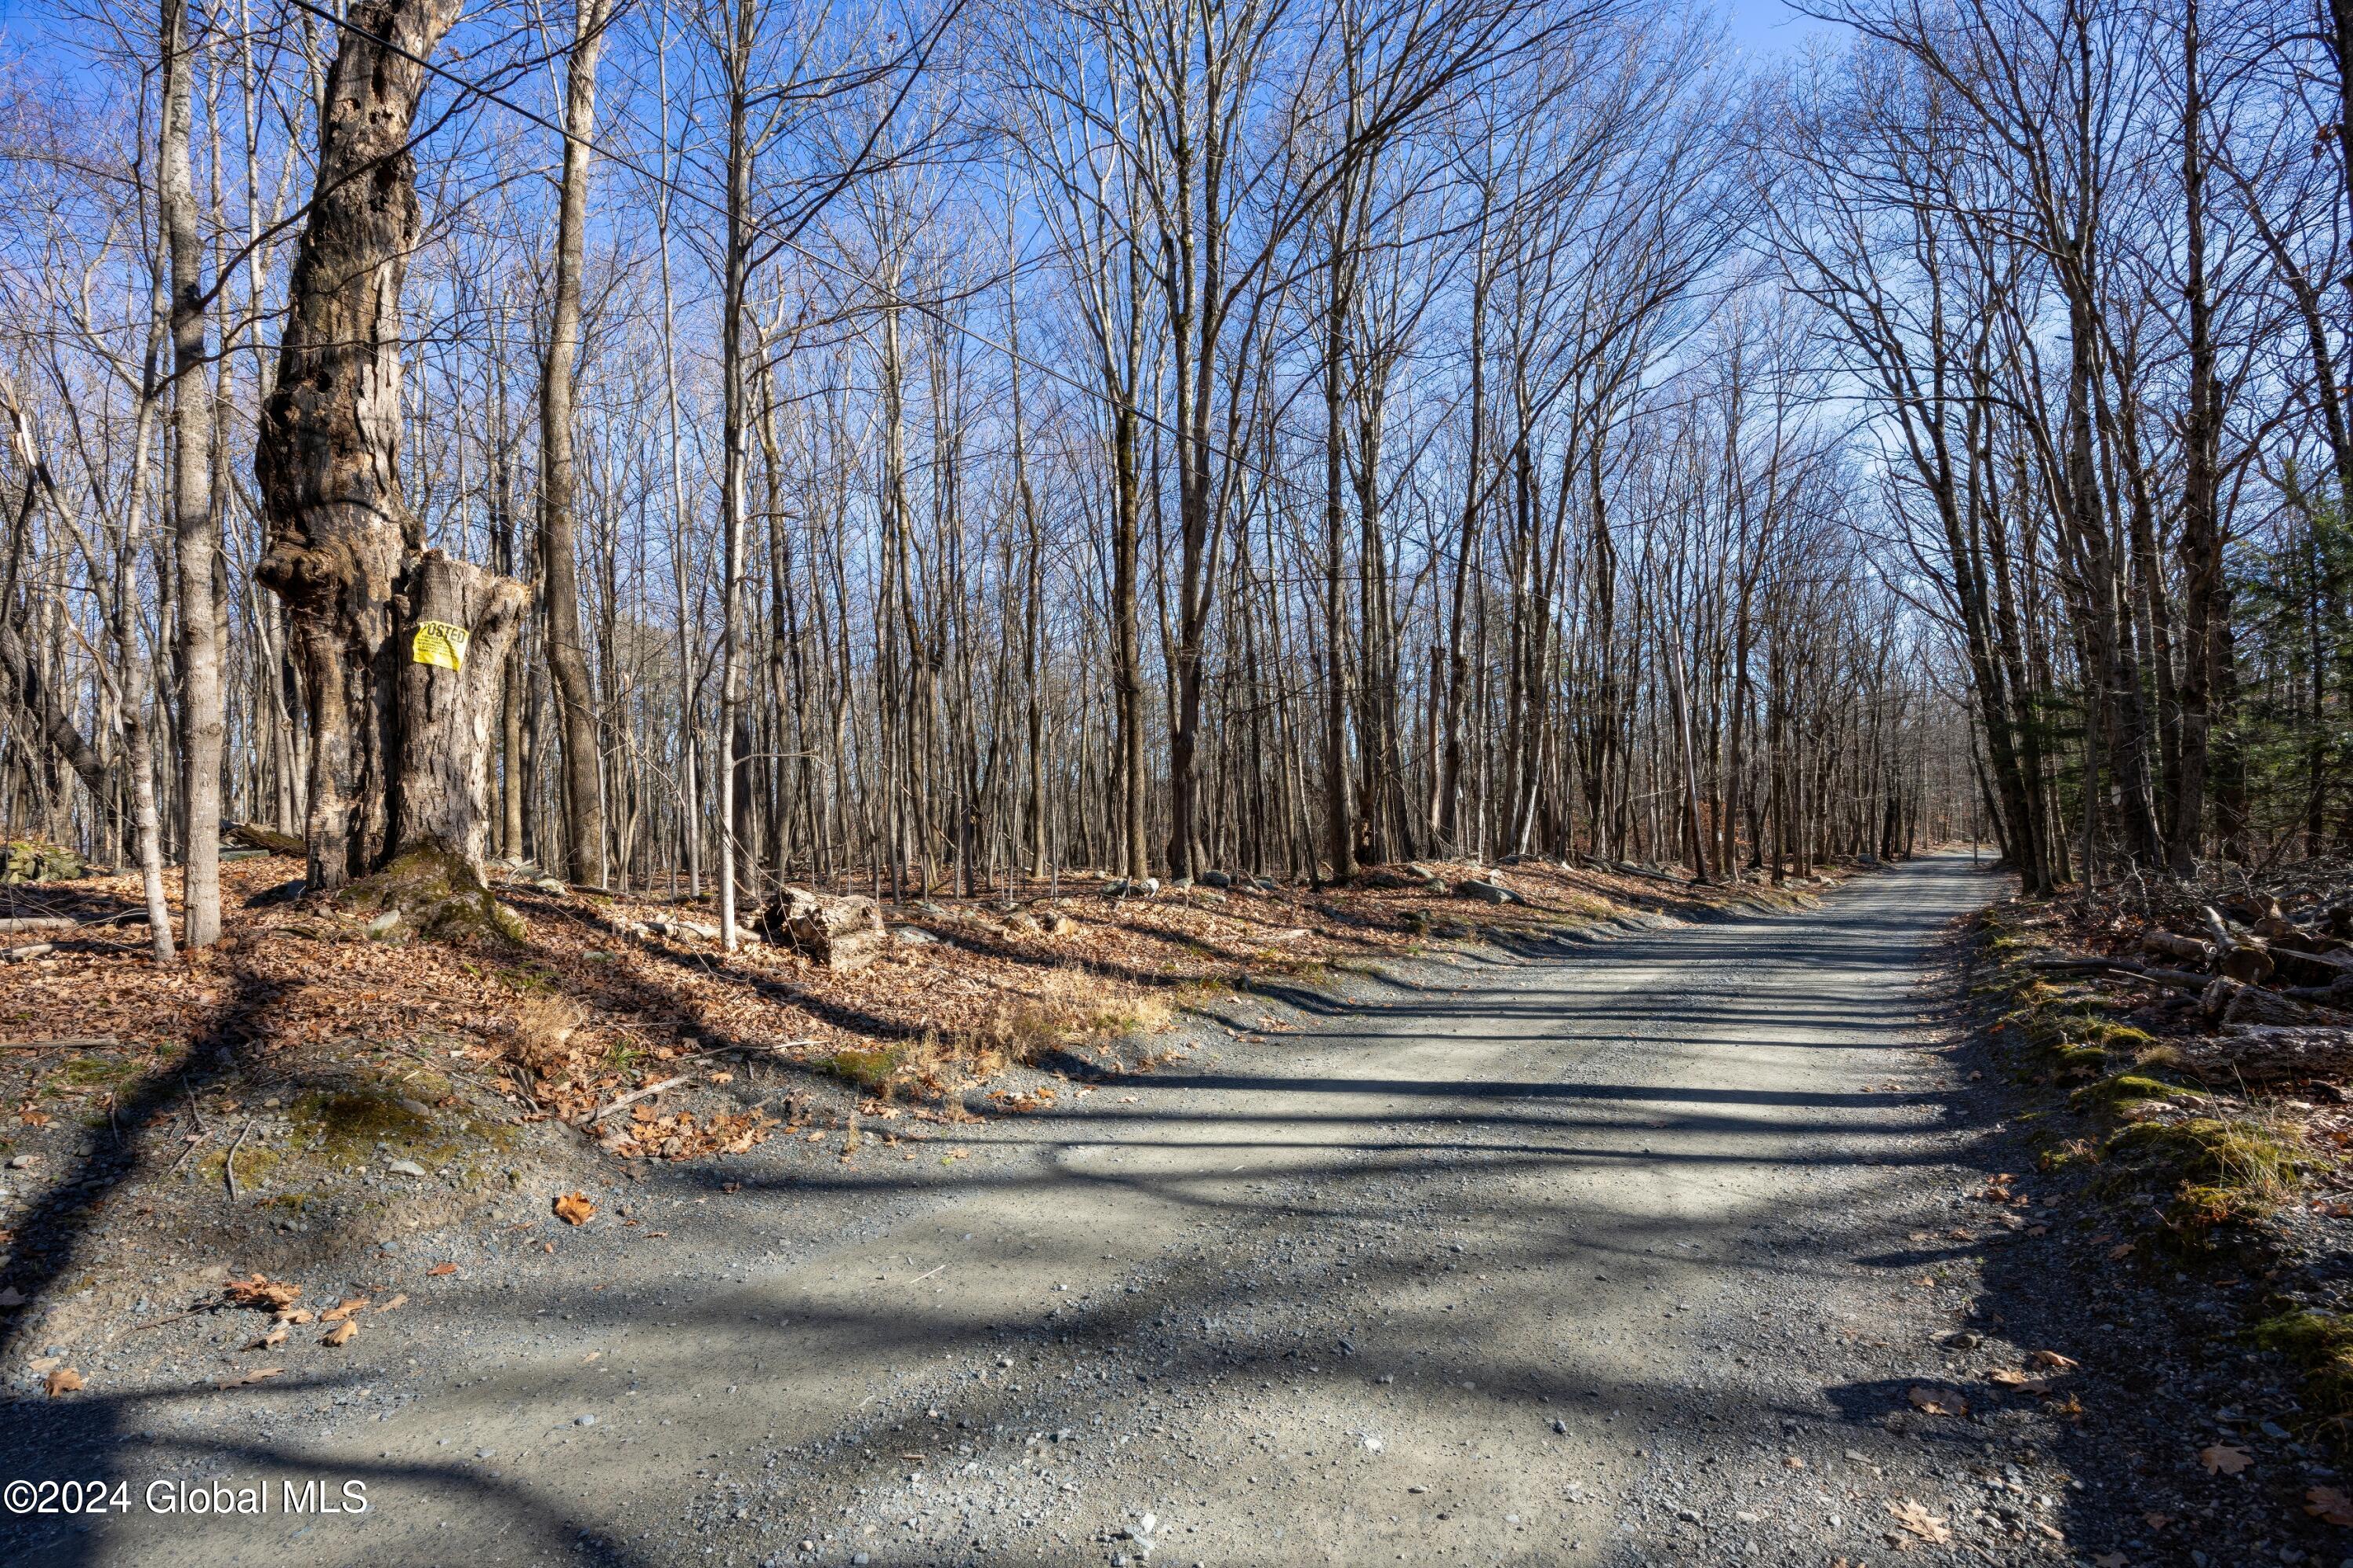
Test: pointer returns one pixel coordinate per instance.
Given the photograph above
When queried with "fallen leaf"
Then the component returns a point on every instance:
(246, 1379)
(270, 1341)
(574, 1209)
(2331, 1505)
(276, 1294)
(341, 1334)
(2052, 1359)
(2007, 1377)
(2119, 1252)
(2224, 1460)
(64, 1380)
(438, 1269)
(297, 1316)
(401, 1299)
(2156, 1520)
(1939, 1401)
(346, 1307)
(1919, 1522)
(2110, 1560)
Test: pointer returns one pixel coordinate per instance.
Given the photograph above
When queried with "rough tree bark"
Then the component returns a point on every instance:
(401, 649)
(194, 521)
(567, 657)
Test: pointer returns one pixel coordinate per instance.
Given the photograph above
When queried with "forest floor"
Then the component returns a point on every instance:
(1656, 1234)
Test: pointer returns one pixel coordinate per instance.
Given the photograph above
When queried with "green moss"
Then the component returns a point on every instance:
(2203, 1149)
(347, 1125)
(2078, 1061)
(867, 1070)
(97, 1072)
(2320, 1346)
(2215, 1171)
(2124, 1089)
(254, 1163)
(438, 895)
(355, 1127)
(2113, 1036)
(28, 860)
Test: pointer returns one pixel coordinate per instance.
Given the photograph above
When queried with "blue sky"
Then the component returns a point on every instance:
(1761, 26)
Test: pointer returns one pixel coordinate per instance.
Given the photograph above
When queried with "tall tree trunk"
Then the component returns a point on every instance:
(194, 522)
(1339, 816)
(733, 434)
(2201, 545)
(559, 563)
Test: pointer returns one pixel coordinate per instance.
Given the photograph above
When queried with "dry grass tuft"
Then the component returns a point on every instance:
(540, 1043)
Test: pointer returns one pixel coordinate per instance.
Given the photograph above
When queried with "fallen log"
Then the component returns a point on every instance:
(1677, 881)
(2268, 1054)
(2170, 945)
(255, 836)
(2124, 969)
(2311, 968)
(844, 933)
(2233, 1001)
(19, 923)
(2247, 961)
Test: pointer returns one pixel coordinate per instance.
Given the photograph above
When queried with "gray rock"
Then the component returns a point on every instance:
(1216, 879)
(405, 1168)
(911, 936)
(1488, 892)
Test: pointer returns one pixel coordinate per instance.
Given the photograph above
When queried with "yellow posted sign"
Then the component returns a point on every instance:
(438, 642)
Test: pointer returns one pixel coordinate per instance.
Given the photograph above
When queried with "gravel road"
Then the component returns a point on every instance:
(1609, 1257)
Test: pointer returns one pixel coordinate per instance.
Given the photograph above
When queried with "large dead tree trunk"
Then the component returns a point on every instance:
(401, 649)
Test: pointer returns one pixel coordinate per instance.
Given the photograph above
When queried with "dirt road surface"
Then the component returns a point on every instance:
(1607, 1256)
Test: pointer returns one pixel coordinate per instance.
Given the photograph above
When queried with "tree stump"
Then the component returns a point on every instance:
(842, 934)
